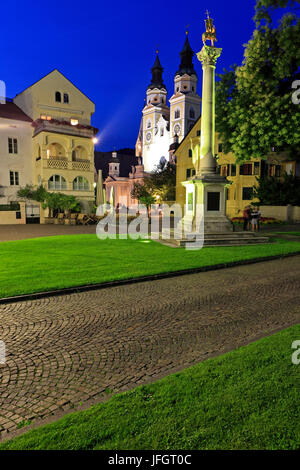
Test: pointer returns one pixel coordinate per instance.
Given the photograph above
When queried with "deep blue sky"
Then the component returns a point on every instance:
(107, 49)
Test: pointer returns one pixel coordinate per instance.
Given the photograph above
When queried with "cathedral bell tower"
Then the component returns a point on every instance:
(155, 118)
(185, 103)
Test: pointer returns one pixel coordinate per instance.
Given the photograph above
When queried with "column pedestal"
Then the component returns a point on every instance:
(206, 205)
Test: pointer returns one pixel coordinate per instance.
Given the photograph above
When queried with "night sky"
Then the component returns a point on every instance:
(108, 48)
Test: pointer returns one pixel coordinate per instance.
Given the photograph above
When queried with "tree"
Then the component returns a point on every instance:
(52, 201)
(142, 194)
(272, 191)
(254, 107)
(28, 192)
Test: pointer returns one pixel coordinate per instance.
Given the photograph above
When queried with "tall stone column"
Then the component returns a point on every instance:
(208, 57)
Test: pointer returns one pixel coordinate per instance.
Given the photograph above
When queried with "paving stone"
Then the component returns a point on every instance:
(64, 350)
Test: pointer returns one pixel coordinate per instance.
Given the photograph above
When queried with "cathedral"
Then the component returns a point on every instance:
(162, 125)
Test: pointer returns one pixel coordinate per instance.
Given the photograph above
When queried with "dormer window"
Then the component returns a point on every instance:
(58, 96)
(66, 98)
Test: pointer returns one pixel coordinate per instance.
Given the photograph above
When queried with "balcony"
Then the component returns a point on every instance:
(62, 163)
(63, 127)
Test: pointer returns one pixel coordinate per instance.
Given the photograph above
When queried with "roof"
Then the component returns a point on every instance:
(10, 110)
(55, 70)
(157, 71)
(126, 157)
(186, 64)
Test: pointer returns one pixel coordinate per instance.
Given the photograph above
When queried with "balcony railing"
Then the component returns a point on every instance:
(62, 163)
(63, 127)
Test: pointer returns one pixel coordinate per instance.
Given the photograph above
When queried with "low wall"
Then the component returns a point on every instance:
(283, 213)
(13, 217)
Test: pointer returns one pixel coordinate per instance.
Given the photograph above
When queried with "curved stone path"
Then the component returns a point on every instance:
(62, 351)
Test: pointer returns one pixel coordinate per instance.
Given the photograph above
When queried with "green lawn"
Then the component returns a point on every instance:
(245, 399)
(50, 263)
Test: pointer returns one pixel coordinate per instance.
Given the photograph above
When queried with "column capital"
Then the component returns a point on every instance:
(209, 55)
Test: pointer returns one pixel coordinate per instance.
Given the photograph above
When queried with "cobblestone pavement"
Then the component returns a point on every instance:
(21, 232)
(65, 350)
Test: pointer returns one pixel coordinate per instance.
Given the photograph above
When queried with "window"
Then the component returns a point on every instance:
(190, 153)
(66, 98)
(14, 178)
(193, 88)
(81, 183)
(177, 89)
(162, 132)
(246, 169)
(148, 124)
(190, 172)
(192, 113)
(248, 194)
(224, 170)
(220, 148)
(278, 171)
(256, 168)
(233, 170)
(198, 133)
(57, 182)
(177, 114)
(12, 145)
(58, 96)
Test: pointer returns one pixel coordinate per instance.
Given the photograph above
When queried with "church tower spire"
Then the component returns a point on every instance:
(157, 71)
(186, 65)
(185, 103)
(156, 113)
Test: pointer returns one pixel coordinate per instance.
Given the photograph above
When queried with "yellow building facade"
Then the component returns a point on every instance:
(62, 137)
(241, 177)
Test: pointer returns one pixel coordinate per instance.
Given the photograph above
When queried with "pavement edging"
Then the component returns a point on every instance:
(135, 280)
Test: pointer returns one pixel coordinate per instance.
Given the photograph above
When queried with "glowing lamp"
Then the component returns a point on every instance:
(95, 140)
(74, 122)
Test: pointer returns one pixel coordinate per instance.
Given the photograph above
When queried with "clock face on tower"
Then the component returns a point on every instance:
(148, 136)
(177, 129)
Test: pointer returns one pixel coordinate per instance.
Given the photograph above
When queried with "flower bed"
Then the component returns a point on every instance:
(262, 220)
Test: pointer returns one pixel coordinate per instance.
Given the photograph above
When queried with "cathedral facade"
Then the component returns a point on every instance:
(164, 124)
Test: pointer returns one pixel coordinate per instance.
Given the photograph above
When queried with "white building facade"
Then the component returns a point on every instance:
(161, 124)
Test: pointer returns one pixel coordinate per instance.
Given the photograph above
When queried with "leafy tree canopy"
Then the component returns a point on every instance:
(278, 192)
(254, 107)
(158, 186)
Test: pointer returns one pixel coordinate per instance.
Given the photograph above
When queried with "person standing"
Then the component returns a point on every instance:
(254, 220)
(247, 218)
(258, 218)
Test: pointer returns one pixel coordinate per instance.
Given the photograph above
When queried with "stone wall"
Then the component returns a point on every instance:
(285, 213)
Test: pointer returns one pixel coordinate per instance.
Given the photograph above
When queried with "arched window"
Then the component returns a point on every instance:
(148, 124)
(192, 113)
(66, 98)
(80, 183)
(177, 114)
(57, 182)
(58, 96)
